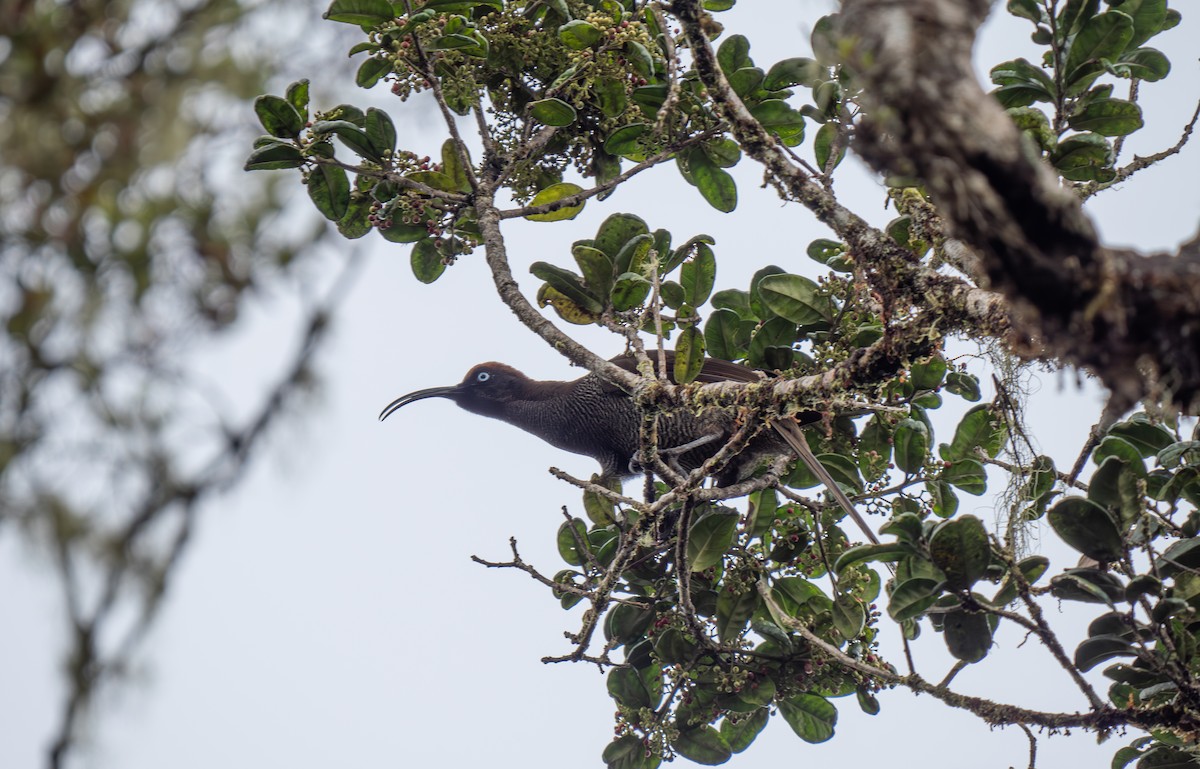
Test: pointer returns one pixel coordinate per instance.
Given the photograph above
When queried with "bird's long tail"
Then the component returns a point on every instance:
(791, 432)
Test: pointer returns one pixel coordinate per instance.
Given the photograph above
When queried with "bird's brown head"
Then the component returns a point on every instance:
(486, 389)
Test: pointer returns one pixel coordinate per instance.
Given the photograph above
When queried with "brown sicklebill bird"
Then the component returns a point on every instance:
(594, 417)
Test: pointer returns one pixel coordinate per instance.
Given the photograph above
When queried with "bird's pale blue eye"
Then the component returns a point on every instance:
(482, 376)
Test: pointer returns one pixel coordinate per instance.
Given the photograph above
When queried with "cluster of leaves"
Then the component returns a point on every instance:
(1083, 44)
(594, 71)
(705, 689)
(123, 247)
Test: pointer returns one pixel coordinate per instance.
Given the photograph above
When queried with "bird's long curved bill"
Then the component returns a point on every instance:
(404, 400)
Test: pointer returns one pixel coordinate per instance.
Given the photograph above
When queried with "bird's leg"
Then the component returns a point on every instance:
(703, 440)
(673, 454)
(792, 433)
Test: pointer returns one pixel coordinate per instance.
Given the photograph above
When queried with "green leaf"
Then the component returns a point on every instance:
(942, 498)
(1097, 649)
(726, 335)
(827, 136)
(812, 718)
(796, 298)
(739, 733)
(1183, 555)
(404, 233)
(966, 474)
(758, 307)
(710, 537)
(624, 141)
(874, 448)
(273, 155)
(1144, 64)
(473, 44)
(843, 470)
(1088, 528)
(1087, 585)
(278, 116)
(704, 745)
(978, 429)
(698, 276)
(1028, 9)
(361, 12)
(354, 137)
(1084, 157)
(1073, 15)
(569, 285)
(715, 184)
(790, 72)
(371, 71)
(1032, 568)
(960, 548)
(911, 445)
(553, 112)
(672, 294)
(778, 117)
(733, 54)
(616, 231)
(596, 267)
(928, 374)
(637, 55)
(1149, 439)
(1149, 17)
(968, 635)
(1108, 117)
(459, 6)
(627, 686)
(567, 309)
(912, 597)
(628, 752)
(849, 616)
(965, 386)
(329, 189)
(380, 130)
(734, 609)
(745, 81)
(1104, 36)
(635, 255)
(761, 514)
(627, 623)
(723, 151)
(1036, 126)
(610, 93)
(689, 357)
(551, 194)
(771, 345)
(735, 300)
(579, 34)
(427, 263)
(599, 508)
(629, 291)
(1021, 84)
(297, 96)
(568, 542)
(355, 224)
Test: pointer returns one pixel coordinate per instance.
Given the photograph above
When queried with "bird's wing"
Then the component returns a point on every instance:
(715, 370)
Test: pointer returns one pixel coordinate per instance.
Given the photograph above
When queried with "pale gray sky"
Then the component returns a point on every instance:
(328, 613)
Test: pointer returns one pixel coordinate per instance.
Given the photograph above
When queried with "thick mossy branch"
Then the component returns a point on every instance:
(892, 270)
(1132, 319)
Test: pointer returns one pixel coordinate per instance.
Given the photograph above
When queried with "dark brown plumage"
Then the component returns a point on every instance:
(593, 417)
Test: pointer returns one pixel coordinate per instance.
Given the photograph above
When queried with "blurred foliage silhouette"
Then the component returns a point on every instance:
(128, 237)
